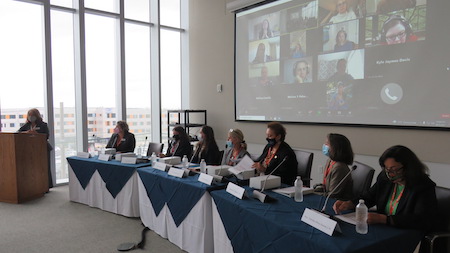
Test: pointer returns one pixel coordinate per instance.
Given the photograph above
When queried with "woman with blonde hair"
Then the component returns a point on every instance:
(236, 148)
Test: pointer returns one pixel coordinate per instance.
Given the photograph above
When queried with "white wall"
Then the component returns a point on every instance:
(211, 48)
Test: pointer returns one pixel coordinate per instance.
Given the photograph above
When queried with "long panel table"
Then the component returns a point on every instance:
(108, 185)
(251, 226)
(178, 209)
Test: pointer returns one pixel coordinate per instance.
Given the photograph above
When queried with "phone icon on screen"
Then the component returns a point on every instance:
(392, 97)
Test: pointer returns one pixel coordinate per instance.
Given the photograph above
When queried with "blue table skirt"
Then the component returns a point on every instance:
(113, 173)
(180, 194)
(253, 226)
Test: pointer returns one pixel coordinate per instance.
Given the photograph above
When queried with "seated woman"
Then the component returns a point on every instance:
(122, 140)
(207, 147)
(404, 194)
(236, 148)
(275, 153)
(180, 145)
(339, 150)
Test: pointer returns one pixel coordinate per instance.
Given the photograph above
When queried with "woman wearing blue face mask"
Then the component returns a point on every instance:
(236, 148)
(404, 194)
(339, 150)
(277, 153)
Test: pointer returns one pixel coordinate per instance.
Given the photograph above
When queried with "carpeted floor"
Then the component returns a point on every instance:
(54, 224)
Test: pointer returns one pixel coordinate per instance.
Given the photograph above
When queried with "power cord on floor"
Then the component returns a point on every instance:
(131, 246)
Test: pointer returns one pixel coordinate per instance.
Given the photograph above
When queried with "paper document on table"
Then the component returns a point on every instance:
(348, 217)
(290, 191)
(244, 165)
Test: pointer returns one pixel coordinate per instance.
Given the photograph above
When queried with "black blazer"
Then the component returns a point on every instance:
(211, 156)
(41, 127)
(184, 148)
(288, 170)
(127, 144)
(417, 207)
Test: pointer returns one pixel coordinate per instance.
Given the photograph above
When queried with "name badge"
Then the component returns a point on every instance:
(205, 178)
(159, 166)
(103, 157)
(235, 190)
(129, 160)
(176, 172)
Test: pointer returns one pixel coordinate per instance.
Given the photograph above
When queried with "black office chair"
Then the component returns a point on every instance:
(155, 147)
(362, 178)
(443, 229)
(304, 160)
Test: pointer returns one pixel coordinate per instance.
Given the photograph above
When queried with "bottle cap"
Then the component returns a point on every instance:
(361, 201)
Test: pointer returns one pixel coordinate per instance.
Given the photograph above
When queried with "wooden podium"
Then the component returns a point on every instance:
(23, 167)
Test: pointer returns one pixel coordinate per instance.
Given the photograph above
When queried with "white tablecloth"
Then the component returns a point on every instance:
(221, 242)
(126, 202)
(194, 234)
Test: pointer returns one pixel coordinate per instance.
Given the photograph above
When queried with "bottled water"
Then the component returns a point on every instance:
(298, 197)
(361, 217)
(185, 162)
(153, 158)
(203, 166)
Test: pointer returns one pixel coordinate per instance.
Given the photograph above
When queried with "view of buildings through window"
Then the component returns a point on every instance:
(23, 66)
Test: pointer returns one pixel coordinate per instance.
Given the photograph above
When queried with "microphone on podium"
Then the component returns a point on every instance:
(259, 194)
(337, 186)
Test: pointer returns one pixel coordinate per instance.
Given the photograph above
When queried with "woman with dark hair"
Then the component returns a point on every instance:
(236, 148)
(397, 30)
(180, 144)
(342, 44)
(265, 32)
(277, 153)
(122, 140)
(35, 124)
(403, 193)
(339, 150)
(207, 147)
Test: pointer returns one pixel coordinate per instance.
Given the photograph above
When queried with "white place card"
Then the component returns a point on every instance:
(319, 220)
(83, 154)
(205, 178)
(129, 160)
(235, 190)
(176, 172)
(103, 157)
(159, 166)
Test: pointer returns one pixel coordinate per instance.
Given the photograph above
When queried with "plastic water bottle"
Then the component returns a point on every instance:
(185, 162)
(203, 166)
(153, 158)
(298, 197)
(361, 217)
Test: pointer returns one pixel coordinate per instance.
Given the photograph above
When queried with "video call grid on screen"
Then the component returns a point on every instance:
(350, 62)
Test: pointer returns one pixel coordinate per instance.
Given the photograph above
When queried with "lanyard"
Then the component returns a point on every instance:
(393, 204)
(270, 154)
(327, 171)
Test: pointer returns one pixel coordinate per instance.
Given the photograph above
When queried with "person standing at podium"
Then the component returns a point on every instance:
(122, 140)
(36, 125)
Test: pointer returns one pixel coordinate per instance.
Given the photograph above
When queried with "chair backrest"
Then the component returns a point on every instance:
(362, 178)
(155, 147)
(443, 201)
(304, 165)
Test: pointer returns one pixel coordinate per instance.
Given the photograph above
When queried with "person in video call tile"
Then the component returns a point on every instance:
(396, 30)
(338, 100)
(340, 155)
(122, 140)
(342, 44)
(274, 154)
(297, 52)
(265, 31)
(386, 6)
(301, 72)
(236, 148)
(264, 80)
(341, 72)
(404, 194)
(261, 56)
(341, 13)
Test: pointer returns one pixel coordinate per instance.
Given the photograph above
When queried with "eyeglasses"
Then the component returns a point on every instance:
(393, 170)
(398, 36)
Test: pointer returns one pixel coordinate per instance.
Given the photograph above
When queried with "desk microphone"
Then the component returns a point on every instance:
(145, 143)
(337, 186)
(259, 194)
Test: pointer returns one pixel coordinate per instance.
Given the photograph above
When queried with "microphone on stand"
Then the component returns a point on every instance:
(337, 186)
(259, 194)
(143, 147)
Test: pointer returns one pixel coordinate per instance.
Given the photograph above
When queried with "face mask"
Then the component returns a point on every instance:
(32, 119)
(326, 150)
(199, 137)
(229, 144)
(176, 137)
(271, 142)
(116, 130)
(394, 178)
